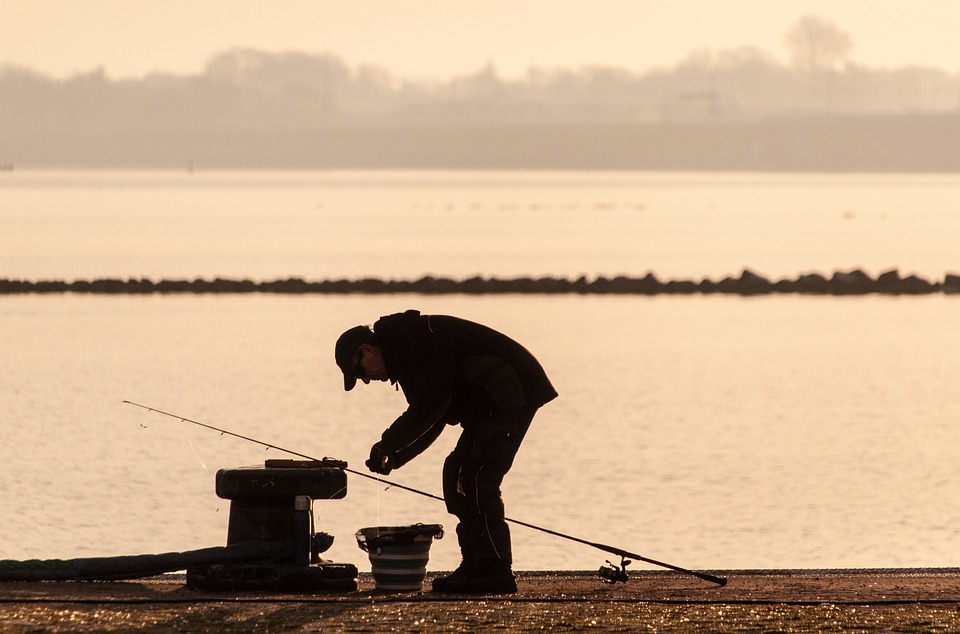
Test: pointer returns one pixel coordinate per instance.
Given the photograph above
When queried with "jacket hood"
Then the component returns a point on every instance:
(389, 327)
(386, 333)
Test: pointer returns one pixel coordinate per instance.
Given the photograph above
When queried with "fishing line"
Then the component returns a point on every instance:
(186, 435)
(612, 572)
(183, 428)
(377, 487)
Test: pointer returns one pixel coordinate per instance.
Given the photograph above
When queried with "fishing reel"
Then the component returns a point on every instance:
(612, 573)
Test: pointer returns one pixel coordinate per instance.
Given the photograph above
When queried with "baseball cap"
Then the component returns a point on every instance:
(347, 345)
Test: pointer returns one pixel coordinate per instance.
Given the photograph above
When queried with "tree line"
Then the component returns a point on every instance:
(244, 88)
(250, 108)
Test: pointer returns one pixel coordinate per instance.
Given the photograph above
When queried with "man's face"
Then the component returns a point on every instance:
(368, 364)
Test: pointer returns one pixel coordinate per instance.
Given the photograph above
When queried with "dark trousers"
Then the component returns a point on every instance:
(472, 475)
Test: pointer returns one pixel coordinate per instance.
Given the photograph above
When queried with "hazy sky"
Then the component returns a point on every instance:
(421, 39)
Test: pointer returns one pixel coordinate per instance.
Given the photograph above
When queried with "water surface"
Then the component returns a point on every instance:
(714, 432)
(706, 431)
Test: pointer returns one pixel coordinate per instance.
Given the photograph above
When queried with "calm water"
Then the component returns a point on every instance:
(713, 432)
(399, 225)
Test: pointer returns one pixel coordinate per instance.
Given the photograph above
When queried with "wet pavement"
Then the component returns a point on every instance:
(913, 600)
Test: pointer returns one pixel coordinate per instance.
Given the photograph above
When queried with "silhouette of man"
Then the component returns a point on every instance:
(453, 371)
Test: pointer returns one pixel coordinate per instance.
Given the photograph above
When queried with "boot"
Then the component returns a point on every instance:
(463, 571)
(498, 579)
(466, 567)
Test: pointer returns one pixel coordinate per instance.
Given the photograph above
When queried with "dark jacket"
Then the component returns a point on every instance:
(452, 371)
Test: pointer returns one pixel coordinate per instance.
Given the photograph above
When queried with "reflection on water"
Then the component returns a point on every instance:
(714, 432)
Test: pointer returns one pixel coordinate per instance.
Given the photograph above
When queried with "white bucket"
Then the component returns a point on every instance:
(399, 554)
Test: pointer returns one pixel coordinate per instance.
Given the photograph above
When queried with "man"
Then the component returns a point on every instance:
(454, 371)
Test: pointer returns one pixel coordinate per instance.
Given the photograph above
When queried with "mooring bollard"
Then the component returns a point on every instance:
(263, 499)
(274, 503)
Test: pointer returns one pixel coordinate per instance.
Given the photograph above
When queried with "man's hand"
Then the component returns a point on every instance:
(380, 461)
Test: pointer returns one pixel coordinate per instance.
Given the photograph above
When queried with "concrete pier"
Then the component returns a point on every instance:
(916, 600)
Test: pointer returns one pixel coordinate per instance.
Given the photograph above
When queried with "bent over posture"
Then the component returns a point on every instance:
(453, 371)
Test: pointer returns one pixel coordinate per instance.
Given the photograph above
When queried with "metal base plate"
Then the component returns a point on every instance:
(323, 577)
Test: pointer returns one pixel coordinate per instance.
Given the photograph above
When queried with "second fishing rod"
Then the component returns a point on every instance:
(611, 573)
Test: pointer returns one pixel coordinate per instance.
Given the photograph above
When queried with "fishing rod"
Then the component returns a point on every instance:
(611, 573)
(326, 461)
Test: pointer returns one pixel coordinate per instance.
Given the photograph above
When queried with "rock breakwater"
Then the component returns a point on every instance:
(748, 283)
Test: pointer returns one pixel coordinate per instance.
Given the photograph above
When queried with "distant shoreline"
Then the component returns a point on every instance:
(854, 282)
(908, 143)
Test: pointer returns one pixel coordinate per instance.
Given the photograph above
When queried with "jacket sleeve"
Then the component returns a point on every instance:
(429, 394)
(418, 446)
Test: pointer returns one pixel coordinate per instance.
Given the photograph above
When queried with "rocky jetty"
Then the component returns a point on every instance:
(748, 283)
